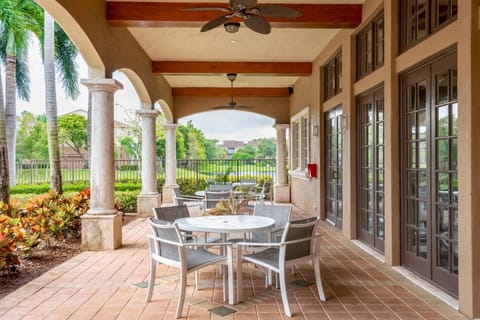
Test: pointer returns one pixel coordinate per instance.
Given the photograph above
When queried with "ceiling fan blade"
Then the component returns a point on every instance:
(239, 106)
(208, 9)
(221, 107)
(215, 22)
(245, 3)
(272, 10)
(257, 23)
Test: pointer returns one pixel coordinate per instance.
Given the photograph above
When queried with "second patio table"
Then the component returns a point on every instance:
(225, 225)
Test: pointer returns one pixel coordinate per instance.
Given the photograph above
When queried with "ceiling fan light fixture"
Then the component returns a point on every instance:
(231, 27)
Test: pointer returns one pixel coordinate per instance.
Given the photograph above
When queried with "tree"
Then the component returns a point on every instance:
(18, 19)
(266, 148)
(4, 177)
(212, 151)
(57, 47)
(73, 132)
(246, 153)
(132, 143)
(31, 137)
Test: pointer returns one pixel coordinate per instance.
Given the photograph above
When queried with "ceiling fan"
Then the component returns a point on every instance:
(232, 104)
(251, 13)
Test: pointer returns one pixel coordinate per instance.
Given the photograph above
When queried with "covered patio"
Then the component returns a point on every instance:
(111, 285)
(379, 122)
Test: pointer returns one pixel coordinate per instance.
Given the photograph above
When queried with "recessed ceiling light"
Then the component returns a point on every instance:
(233, 40)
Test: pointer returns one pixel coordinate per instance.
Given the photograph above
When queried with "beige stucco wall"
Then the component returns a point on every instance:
(469, 157)
(463, 34)
(273, 107)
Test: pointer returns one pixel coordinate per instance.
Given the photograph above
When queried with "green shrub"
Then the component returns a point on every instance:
(126, 201)
(128, 186)
(45, 187)
(126, 167)
(42, 218)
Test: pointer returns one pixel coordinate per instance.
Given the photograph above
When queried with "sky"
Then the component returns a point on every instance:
(229, 125)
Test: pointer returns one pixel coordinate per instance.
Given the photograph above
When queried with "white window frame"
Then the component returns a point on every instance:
(300, 142)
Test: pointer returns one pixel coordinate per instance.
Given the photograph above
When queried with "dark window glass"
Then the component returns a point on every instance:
(420, 18)
(333, 76)
(370, 47)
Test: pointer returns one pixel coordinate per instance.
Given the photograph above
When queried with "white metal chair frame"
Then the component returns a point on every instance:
(187, 258)
(265, 193)
(181, 199)
(279, 257)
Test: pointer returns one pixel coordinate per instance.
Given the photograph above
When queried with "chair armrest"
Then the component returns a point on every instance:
(208, 244)
(258, 244)
(174, 243)
(300, 240)
(192, 198)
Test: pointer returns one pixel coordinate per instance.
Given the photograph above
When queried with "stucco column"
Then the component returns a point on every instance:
(149, 196)
(102, 225)
(170, 161)
(282, 189)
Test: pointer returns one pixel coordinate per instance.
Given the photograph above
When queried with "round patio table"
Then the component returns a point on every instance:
(225, 225)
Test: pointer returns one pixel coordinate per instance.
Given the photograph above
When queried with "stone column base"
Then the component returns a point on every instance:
(101, 232)
(282, 193)
(167, 193)
(145, 203)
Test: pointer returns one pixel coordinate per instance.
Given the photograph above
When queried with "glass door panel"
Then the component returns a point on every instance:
(370, 124)
(429, 172)
(333, 174)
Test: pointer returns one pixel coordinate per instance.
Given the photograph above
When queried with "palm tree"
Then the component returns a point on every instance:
(57, 47)
(4, 177)
(18, 19)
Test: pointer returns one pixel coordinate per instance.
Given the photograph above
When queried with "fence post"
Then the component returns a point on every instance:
(31, 172)
(72, 169)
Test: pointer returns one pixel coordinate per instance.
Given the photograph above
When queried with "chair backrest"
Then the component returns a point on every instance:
(281, 215)
(266, 189)
(177, 194)
(297, 231)
(213, 197)
(171, 213)
(220, 187)
(163, 230)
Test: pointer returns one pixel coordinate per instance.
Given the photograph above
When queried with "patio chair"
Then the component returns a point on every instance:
(220, 187)
(181, 199)
(167, 247)
(169, 214)
(281, 215)
(265, 193)
(213, 197)
(298, 244)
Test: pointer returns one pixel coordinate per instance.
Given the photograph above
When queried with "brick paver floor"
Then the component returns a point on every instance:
(111, 285)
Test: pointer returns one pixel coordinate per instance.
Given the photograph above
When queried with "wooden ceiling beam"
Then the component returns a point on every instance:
(266, 68)
(169, 14)
(227, 92)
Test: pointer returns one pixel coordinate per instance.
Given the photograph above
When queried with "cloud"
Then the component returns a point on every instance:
(232, 125)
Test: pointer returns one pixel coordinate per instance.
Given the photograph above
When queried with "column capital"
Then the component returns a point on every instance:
(148, 113)
(170, 125)
(281, 126)
(102, 84)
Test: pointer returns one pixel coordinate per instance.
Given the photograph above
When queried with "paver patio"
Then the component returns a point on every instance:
(111, 285)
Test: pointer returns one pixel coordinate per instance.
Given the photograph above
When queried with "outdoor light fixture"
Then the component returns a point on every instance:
(231, 27)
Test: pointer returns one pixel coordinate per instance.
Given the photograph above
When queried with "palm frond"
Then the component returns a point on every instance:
(65, 55)
(23, 76)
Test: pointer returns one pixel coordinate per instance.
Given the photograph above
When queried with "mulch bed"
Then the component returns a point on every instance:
(42, 260)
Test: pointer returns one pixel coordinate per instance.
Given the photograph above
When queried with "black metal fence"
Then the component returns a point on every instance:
(220, 170)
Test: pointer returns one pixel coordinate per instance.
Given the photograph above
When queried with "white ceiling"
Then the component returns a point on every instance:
(189, 44)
